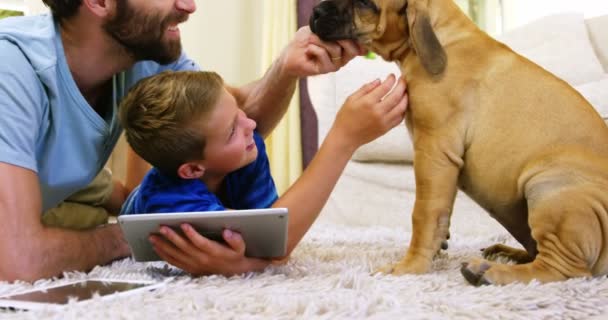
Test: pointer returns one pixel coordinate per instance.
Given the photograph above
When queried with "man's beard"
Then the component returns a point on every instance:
(142, 34)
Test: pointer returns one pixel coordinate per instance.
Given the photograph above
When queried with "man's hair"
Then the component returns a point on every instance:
(63, 8)
(162, 116)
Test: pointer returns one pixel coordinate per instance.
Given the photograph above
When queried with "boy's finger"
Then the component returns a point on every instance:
(365, 89)
(397, 114)
(391, 99)
(235, 241)
(380, 91)
(201, 243)
(168, 252)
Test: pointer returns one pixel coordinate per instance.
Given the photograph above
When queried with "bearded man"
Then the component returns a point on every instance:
(62, 77)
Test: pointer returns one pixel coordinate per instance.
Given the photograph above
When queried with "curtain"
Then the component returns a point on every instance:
(284, 144)
(308, 116)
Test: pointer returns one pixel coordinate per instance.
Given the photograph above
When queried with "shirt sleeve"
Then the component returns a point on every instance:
(161, 194)
(252, 187)
(22, 101)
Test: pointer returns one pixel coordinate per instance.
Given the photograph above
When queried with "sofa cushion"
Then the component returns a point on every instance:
(559, 43)
(596, 93)
(395, 146)
(599, 38)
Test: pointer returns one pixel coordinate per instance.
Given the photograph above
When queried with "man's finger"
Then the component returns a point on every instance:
(321, 56)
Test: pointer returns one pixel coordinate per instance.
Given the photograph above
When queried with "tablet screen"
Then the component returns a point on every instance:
(80, 290)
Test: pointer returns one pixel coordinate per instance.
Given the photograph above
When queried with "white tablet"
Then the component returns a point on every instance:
(263, 230)
(81, 291)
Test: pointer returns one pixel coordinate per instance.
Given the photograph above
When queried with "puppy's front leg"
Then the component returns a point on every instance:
(437, 168)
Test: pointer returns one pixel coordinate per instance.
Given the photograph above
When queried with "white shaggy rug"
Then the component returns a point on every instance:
(330, 277)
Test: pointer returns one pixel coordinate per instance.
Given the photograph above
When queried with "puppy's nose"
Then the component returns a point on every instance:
(317, 12)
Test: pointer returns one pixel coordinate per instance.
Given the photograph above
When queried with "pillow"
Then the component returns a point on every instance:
(597, 94)
(599, 38)
(559, 43)
(395, 146)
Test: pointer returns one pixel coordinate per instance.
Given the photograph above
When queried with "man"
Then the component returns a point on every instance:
(61, 79)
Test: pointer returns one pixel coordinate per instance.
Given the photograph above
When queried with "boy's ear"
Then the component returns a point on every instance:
(191, 170)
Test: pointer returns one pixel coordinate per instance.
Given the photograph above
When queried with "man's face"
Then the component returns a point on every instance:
(147, 33)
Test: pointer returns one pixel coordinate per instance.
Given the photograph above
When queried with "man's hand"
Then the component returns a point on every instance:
(198, 255)
(307, 55)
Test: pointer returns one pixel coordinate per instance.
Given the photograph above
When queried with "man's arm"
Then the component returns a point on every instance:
(266, 100)
(30, 251)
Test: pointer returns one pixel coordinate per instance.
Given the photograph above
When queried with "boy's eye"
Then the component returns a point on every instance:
(232, 131)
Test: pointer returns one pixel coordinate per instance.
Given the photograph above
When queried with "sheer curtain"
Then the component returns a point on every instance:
(284, 144)
(487, 14)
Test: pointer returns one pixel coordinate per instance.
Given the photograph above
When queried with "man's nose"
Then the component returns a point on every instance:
(188, 6)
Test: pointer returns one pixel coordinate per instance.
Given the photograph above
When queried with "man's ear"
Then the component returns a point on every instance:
(100, 8)
(191, 170)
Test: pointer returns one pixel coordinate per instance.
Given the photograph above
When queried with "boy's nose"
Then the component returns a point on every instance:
(186, 5)
(252, 124)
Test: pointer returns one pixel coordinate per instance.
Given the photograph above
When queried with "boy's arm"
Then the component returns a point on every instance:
(267, 99)
(30, 251)
(364, 117)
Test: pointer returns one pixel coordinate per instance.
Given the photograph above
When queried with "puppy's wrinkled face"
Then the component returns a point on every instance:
(381, 25)
(391, 28)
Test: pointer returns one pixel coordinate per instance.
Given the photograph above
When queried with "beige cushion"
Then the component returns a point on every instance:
(560, 44)
(395, 146)
(597, 28)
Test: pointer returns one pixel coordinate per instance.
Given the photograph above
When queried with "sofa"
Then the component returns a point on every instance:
(378, 187)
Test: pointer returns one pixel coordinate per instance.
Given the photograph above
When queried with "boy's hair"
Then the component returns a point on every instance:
(63, 8)
(162, 115)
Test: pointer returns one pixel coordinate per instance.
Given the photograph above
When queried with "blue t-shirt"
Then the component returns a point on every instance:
(46, 125)
(250, 187)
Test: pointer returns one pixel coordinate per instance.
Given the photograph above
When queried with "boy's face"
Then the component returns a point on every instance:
(229, 134)
(148, 29)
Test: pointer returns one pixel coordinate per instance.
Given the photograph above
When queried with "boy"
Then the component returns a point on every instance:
(207, 155)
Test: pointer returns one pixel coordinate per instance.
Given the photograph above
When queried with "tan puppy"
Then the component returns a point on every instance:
(518, 140)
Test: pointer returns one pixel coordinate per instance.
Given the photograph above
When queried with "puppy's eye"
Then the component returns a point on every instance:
(367, 4)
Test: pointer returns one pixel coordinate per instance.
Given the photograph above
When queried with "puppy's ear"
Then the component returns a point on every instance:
(425, 42)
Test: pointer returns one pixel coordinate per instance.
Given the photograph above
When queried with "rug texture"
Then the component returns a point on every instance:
(331, 276)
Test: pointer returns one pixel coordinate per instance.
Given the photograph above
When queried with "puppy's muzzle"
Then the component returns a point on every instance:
(331, 23)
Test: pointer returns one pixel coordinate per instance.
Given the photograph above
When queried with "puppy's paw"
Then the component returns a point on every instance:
(404, 267)
(499, 250)
(474, 272)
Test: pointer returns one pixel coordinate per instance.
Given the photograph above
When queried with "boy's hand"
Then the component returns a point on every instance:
(198, 255)
(372, 111)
